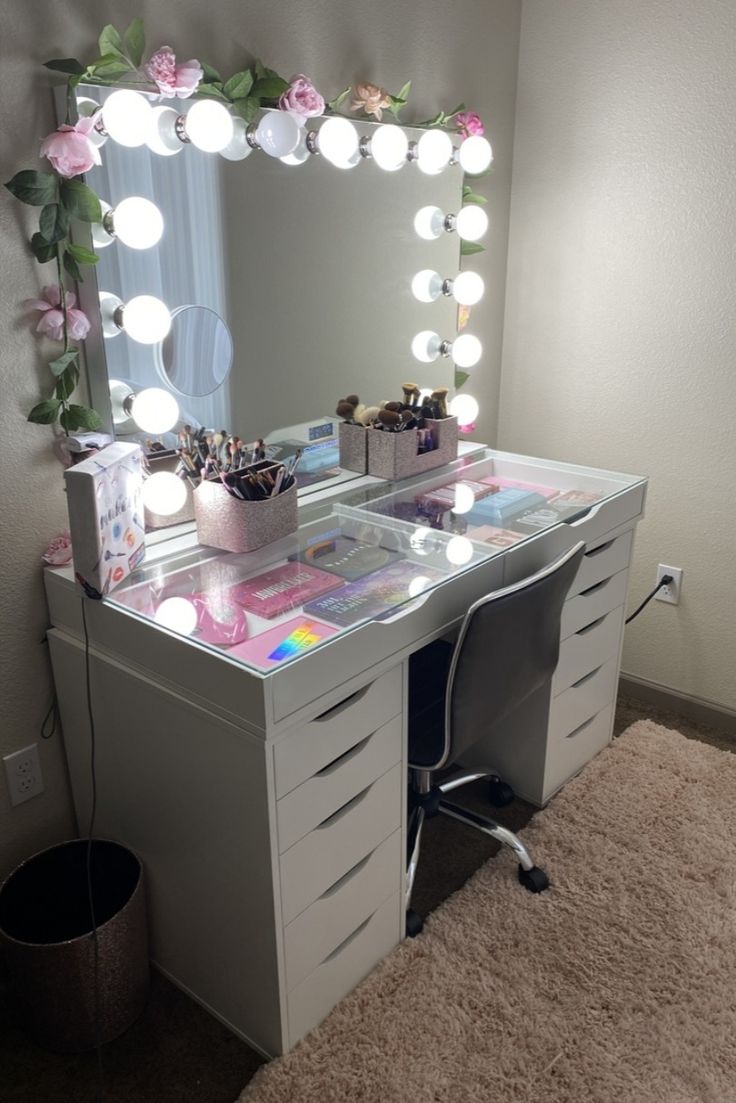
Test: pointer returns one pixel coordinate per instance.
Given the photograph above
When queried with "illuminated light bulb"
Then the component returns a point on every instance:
(164, 493)
(465, 408)
(126, 116)
(136, 221)
(434, 150)
(209, 126)
(300, 153)
(459, 551)
(389, 146)
(418, 585)
(238, 147)
(426, 286)
(466, 350)
(177, 614)
(426, 346)
(86, 108)
(429, 222)
(420, 540)
(146, 319)
(471, 222)
(475, 155)
(162, 137)
(278, 133)
(338, 142)
(155, 410)
(467, 288)
(464, 498)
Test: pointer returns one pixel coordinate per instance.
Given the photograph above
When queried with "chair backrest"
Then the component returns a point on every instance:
(508, 648)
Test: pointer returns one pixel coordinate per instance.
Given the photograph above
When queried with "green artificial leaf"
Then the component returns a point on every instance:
(247, 108)
(35, 188)
(109, 66)
(66, 65)
(403, 95)
(66, 383)
(59, 366)
(134, 42)
(438, 119)
(455, 111)
(214, 90)
(469, 248)
(210, 74)
(269, 88)
(54, 223)
(80, 417)
(461, 378)
(239, 85)
(81, 254)
(42, 251)
(80, 201)
(469, 196)
(46, 412)
(72, 268)
(259, 69)
(336, 104)
(110, 41)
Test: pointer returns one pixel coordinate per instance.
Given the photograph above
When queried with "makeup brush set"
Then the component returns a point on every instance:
(239, 511)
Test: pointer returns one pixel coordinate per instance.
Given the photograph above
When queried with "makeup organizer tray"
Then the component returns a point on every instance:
(396, 455)
(232, 524)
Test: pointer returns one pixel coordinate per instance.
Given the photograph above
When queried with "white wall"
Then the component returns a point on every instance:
(620, 339)
(464, 50)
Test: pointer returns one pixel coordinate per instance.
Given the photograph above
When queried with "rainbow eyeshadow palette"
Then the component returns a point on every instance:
(289, 640)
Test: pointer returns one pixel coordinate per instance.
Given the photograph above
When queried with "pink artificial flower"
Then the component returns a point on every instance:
(172, 79)
(470, 428)
(301, 99)
(59, 551)
(468, 123)
(51, 321)
(69, 150)
(370, 99)
(463, 316)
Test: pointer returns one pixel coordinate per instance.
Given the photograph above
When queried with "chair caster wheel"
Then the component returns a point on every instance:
(414, 923)
(534, 879)
(499, 793)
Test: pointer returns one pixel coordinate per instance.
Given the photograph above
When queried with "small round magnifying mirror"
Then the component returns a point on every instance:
(197, 355)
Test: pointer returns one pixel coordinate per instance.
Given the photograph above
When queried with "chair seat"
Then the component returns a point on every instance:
(428, 675)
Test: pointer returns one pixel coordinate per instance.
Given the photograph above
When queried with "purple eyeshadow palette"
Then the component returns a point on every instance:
(284, 588)
(376, 594)
(350, 559)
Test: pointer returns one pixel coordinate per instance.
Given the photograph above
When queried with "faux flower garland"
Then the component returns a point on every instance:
(63, 197)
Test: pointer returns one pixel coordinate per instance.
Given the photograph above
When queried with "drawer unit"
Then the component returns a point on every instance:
(566, 756)
(327, 853)
(587, 648)
(340, 910)
(602, 562)
(594, 602)
(331, 788)
(303, 753)
(343, 968)
(583, 699)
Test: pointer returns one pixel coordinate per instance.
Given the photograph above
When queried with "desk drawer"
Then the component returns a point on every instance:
(583, 699)
(337, 783)
(327, 853)
(603, 562)
(326, 923)
(582, 610)
(345, 967)
(587, 648)
(311, 748)
(568, 755)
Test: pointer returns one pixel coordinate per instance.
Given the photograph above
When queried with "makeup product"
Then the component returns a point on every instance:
(341, 555)
(283, 588)
(284, 642)
(376, 594)
(504, 507)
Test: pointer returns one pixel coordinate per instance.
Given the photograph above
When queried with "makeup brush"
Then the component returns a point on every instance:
(439, 397)
(368, 415)
(389, 419)
(411, 393)
(346, 410)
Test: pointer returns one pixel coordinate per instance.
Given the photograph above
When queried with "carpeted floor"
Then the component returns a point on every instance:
(619, 984)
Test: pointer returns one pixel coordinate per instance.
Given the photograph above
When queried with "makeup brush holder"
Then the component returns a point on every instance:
(354, 447)
(395, 455)
(230, 524)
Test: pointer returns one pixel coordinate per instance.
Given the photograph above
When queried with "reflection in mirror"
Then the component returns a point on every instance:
(197, 353)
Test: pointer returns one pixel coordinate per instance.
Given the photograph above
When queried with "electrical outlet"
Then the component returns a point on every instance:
(23, 772)
(671, 592)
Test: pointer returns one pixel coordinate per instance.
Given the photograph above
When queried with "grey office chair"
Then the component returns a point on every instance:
(494, 682)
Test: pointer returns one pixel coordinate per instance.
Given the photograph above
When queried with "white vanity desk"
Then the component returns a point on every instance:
(267, 796)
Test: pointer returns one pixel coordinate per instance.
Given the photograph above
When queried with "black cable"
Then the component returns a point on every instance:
(664, 581)
(90, 835)
(52, 716)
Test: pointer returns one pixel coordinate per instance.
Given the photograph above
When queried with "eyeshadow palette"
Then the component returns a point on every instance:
(351, 559)
(376, 594)
(284, 588)
(285, 641)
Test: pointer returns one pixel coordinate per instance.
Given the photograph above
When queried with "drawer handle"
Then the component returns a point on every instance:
(337, 709)
(587, 516)
(351, 804)
(589, 627)
(581, 727)
(601, 548)
(594, 588)
(344, 757)
(341, 881)
(586, 677)
(346, 941)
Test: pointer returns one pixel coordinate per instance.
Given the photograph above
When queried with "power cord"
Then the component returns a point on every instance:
(664, 581)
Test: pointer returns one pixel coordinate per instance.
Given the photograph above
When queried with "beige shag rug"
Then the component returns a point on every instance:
(618, 984)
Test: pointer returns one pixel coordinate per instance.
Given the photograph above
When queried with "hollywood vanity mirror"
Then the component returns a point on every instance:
(285, 281)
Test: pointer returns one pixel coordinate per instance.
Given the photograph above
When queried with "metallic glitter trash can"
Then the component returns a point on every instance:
(47, 944)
